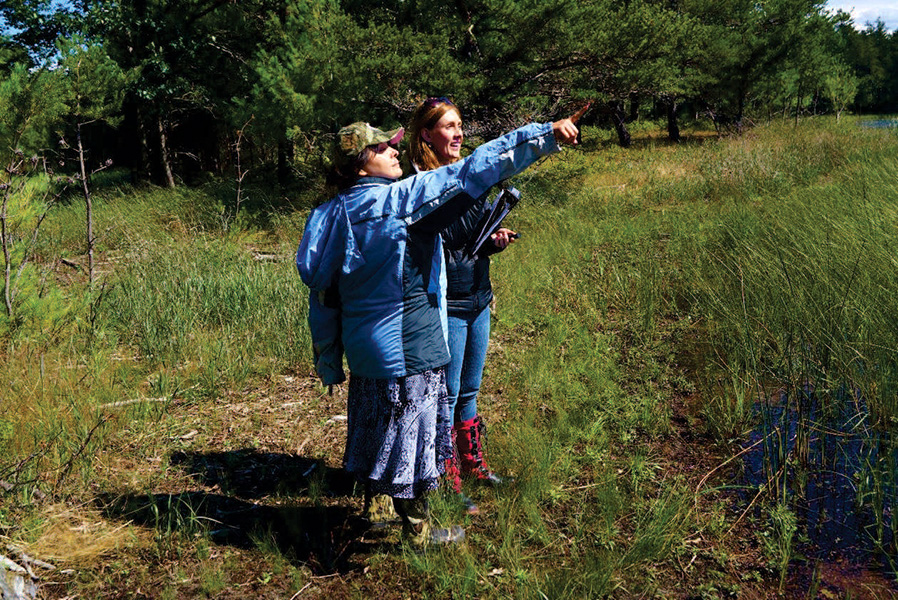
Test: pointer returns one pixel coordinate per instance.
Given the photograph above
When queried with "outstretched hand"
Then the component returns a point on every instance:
(565, 130)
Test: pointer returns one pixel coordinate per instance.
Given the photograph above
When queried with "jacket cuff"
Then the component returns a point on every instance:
(330, 375)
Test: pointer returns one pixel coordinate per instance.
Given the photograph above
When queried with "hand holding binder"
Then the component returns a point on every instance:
(498, 210)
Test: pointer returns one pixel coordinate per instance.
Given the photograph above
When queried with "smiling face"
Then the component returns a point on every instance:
(384, 162)
(445, 137)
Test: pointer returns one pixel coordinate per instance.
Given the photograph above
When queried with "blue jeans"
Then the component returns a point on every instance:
(469, 335)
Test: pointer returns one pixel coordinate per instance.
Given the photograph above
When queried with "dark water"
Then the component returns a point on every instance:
(836, 472)
(879, 123)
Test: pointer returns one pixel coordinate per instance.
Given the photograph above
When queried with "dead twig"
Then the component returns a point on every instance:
(71, 461)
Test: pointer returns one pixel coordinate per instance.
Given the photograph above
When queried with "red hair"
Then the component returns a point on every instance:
(426, 116)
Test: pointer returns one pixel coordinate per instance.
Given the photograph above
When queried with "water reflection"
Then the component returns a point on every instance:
(879, 123)
(837, 473)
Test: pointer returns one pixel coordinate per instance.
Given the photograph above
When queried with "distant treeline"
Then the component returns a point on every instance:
(174, 89)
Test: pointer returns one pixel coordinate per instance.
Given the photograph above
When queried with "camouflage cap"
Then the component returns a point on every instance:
(354, 138)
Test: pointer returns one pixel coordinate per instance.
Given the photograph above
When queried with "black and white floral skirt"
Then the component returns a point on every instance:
(398, 434)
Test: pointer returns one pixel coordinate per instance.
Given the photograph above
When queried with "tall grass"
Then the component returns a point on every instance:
(798, 291)
(722, 269)
(183, 310)
(212, 305)
(725, 271)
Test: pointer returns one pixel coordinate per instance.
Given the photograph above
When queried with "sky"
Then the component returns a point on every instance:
(866, 11)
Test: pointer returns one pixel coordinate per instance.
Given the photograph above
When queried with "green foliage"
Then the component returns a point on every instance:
(873, 56)
(841, 87)
(324, 67)
(30, 103)
(175, 50)
(197, 72)
(95, 82)
(37, 24)
(11, 55)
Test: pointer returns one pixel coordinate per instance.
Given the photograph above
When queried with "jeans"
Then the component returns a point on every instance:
(469, 335)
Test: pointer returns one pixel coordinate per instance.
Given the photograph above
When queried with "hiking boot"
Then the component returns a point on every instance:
(379, 511)
(417, 529)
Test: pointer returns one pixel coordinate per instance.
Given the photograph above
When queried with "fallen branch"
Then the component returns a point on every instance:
(28, 560)
(133, 401)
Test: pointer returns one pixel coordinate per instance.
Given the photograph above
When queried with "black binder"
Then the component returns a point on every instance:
(498, 210)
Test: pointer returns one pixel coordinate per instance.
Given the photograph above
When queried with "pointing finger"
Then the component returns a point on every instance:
(576, 116)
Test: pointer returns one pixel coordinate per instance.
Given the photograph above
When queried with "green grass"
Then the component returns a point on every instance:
(695, 275)
(718, 269)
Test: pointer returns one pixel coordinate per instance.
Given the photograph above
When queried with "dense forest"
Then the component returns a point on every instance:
(175, 90)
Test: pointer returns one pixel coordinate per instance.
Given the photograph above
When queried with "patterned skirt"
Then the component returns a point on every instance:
(398, 432)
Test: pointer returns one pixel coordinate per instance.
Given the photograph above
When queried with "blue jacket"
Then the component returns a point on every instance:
(373, 260)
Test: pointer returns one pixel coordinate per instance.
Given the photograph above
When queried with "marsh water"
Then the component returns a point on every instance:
(835, 470)
(879, 123)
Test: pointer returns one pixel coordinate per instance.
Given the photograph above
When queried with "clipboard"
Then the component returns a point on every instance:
(498, 210)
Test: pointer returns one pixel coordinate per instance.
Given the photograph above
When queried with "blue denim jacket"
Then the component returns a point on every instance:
(353, 251)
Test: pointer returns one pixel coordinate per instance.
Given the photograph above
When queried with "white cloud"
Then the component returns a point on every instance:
(864, 12)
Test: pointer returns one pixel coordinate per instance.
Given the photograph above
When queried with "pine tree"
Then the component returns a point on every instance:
(31, 101)
(95, 88)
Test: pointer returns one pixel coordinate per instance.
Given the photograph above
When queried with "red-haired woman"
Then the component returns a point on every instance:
(436, 140)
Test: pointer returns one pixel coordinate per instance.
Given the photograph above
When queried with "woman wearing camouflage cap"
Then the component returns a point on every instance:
(373, 261)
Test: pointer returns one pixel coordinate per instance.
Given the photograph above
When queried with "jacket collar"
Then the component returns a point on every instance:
(368, 180)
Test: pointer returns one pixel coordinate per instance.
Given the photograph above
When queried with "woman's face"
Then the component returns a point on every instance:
(383, 163)
(446, 137)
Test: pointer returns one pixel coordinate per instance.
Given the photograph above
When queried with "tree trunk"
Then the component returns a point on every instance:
(740, 112)
(634, 107)
(673, 130)
(133, 143)
(165, 163)
(618, 116)
(88, 208)
(7, 258)
(284, 156)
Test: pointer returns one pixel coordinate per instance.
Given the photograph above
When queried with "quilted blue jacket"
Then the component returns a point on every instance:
(373, 260)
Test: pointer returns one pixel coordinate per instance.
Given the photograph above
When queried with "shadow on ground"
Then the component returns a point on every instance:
(303, 509)
(248, 473)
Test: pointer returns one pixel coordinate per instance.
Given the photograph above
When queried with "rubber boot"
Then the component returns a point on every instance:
(453, 479)
(469, 439)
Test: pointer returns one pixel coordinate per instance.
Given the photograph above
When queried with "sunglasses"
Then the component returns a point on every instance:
(433, 101)
(381, 147)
